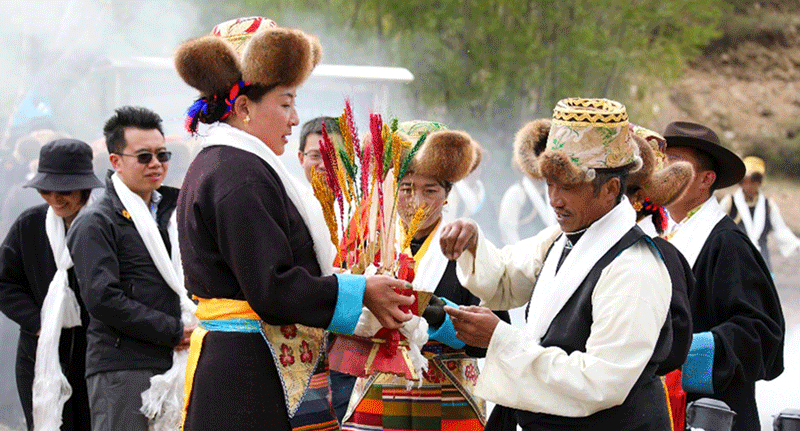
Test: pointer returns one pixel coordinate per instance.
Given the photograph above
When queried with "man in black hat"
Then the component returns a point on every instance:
(736, 314)
(31, 258)
(135, 316)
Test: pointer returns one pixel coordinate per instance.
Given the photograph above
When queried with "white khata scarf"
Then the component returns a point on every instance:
(307, 205)
(163, 401)
(753, 225)
(690, 235)
(430, 268)
(59, 310)
(553, 289)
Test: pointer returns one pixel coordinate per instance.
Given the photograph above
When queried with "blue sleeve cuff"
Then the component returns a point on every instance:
(698, 369)
(348, 303)
(447, 332)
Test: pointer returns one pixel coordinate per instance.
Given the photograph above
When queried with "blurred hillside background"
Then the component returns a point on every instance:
(484, 66)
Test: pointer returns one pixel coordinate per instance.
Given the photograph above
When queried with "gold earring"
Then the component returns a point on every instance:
(637, 206)
(247, 120)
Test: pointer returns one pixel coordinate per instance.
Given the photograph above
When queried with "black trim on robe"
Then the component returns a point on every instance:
(242, 238)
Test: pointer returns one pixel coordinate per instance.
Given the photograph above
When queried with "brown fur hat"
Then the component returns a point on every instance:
(529, 142)
(659, 182)
(648, 162)
(555, 164)
(668, 184)
(208, 64)
(280, 56)
(447, 155)
(478, 157)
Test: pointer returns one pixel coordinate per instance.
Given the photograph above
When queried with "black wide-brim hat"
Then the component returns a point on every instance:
(65, 165)
(727, 165)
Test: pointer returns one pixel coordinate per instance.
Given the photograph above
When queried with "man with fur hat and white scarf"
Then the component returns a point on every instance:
(586, 355)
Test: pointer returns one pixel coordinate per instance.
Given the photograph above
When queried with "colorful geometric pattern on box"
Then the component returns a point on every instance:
(237, 31)
(316, 412)
(592, 133)
(443, 400)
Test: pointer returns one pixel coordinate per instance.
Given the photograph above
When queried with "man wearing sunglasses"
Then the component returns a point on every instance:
(135, 316)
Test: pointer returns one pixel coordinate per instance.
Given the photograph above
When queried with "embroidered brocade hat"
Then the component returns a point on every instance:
(588, 134)
(660, 181)
(728, 166)
(754, 165)
(65, 165)
(238, 31)
(447, 155)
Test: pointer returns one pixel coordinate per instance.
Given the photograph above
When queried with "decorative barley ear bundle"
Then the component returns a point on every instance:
(360, 181)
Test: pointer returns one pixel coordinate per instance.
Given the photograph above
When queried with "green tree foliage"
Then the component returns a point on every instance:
(498, 62)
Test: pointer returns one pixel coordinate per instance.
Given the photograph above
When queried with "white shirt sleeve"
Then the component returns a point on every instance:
(629, 307)
(787, 241)
(503, 279)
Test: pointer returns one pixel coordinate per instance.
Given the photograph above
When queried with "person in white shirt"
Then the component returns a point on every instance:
(758, 215)
(525, 207)
(597, 288)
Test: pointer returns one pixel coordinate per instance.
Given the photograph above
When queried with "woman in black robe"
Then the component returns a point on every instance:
(255, 250)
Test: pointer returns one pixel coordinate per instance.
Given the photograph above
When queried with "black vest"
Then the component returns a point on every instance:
(762, 240)
(645, 407)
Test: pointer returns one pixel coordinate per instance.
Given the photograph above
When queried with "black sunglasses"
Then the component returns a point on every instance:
(62, 193)
(145, 158)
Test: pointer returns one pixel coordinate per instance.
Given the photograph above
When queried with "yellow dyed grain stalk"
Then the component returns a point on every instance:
(416, 221)
(326, 199)
(399, 146)
(347, 138)
(341, 177)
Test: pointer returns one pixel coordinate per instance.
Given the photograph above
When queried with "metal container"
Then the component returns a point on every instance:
(709, 414)
(787, 420)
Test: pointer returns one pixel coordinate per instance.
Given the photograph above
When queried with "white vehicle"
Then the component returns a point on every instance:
(152, 82)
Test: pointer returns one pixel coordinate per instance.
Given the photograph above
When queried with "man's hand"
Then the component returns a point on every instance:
(474, 325)
(186, 338)
(381, 299)
(458, 236)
